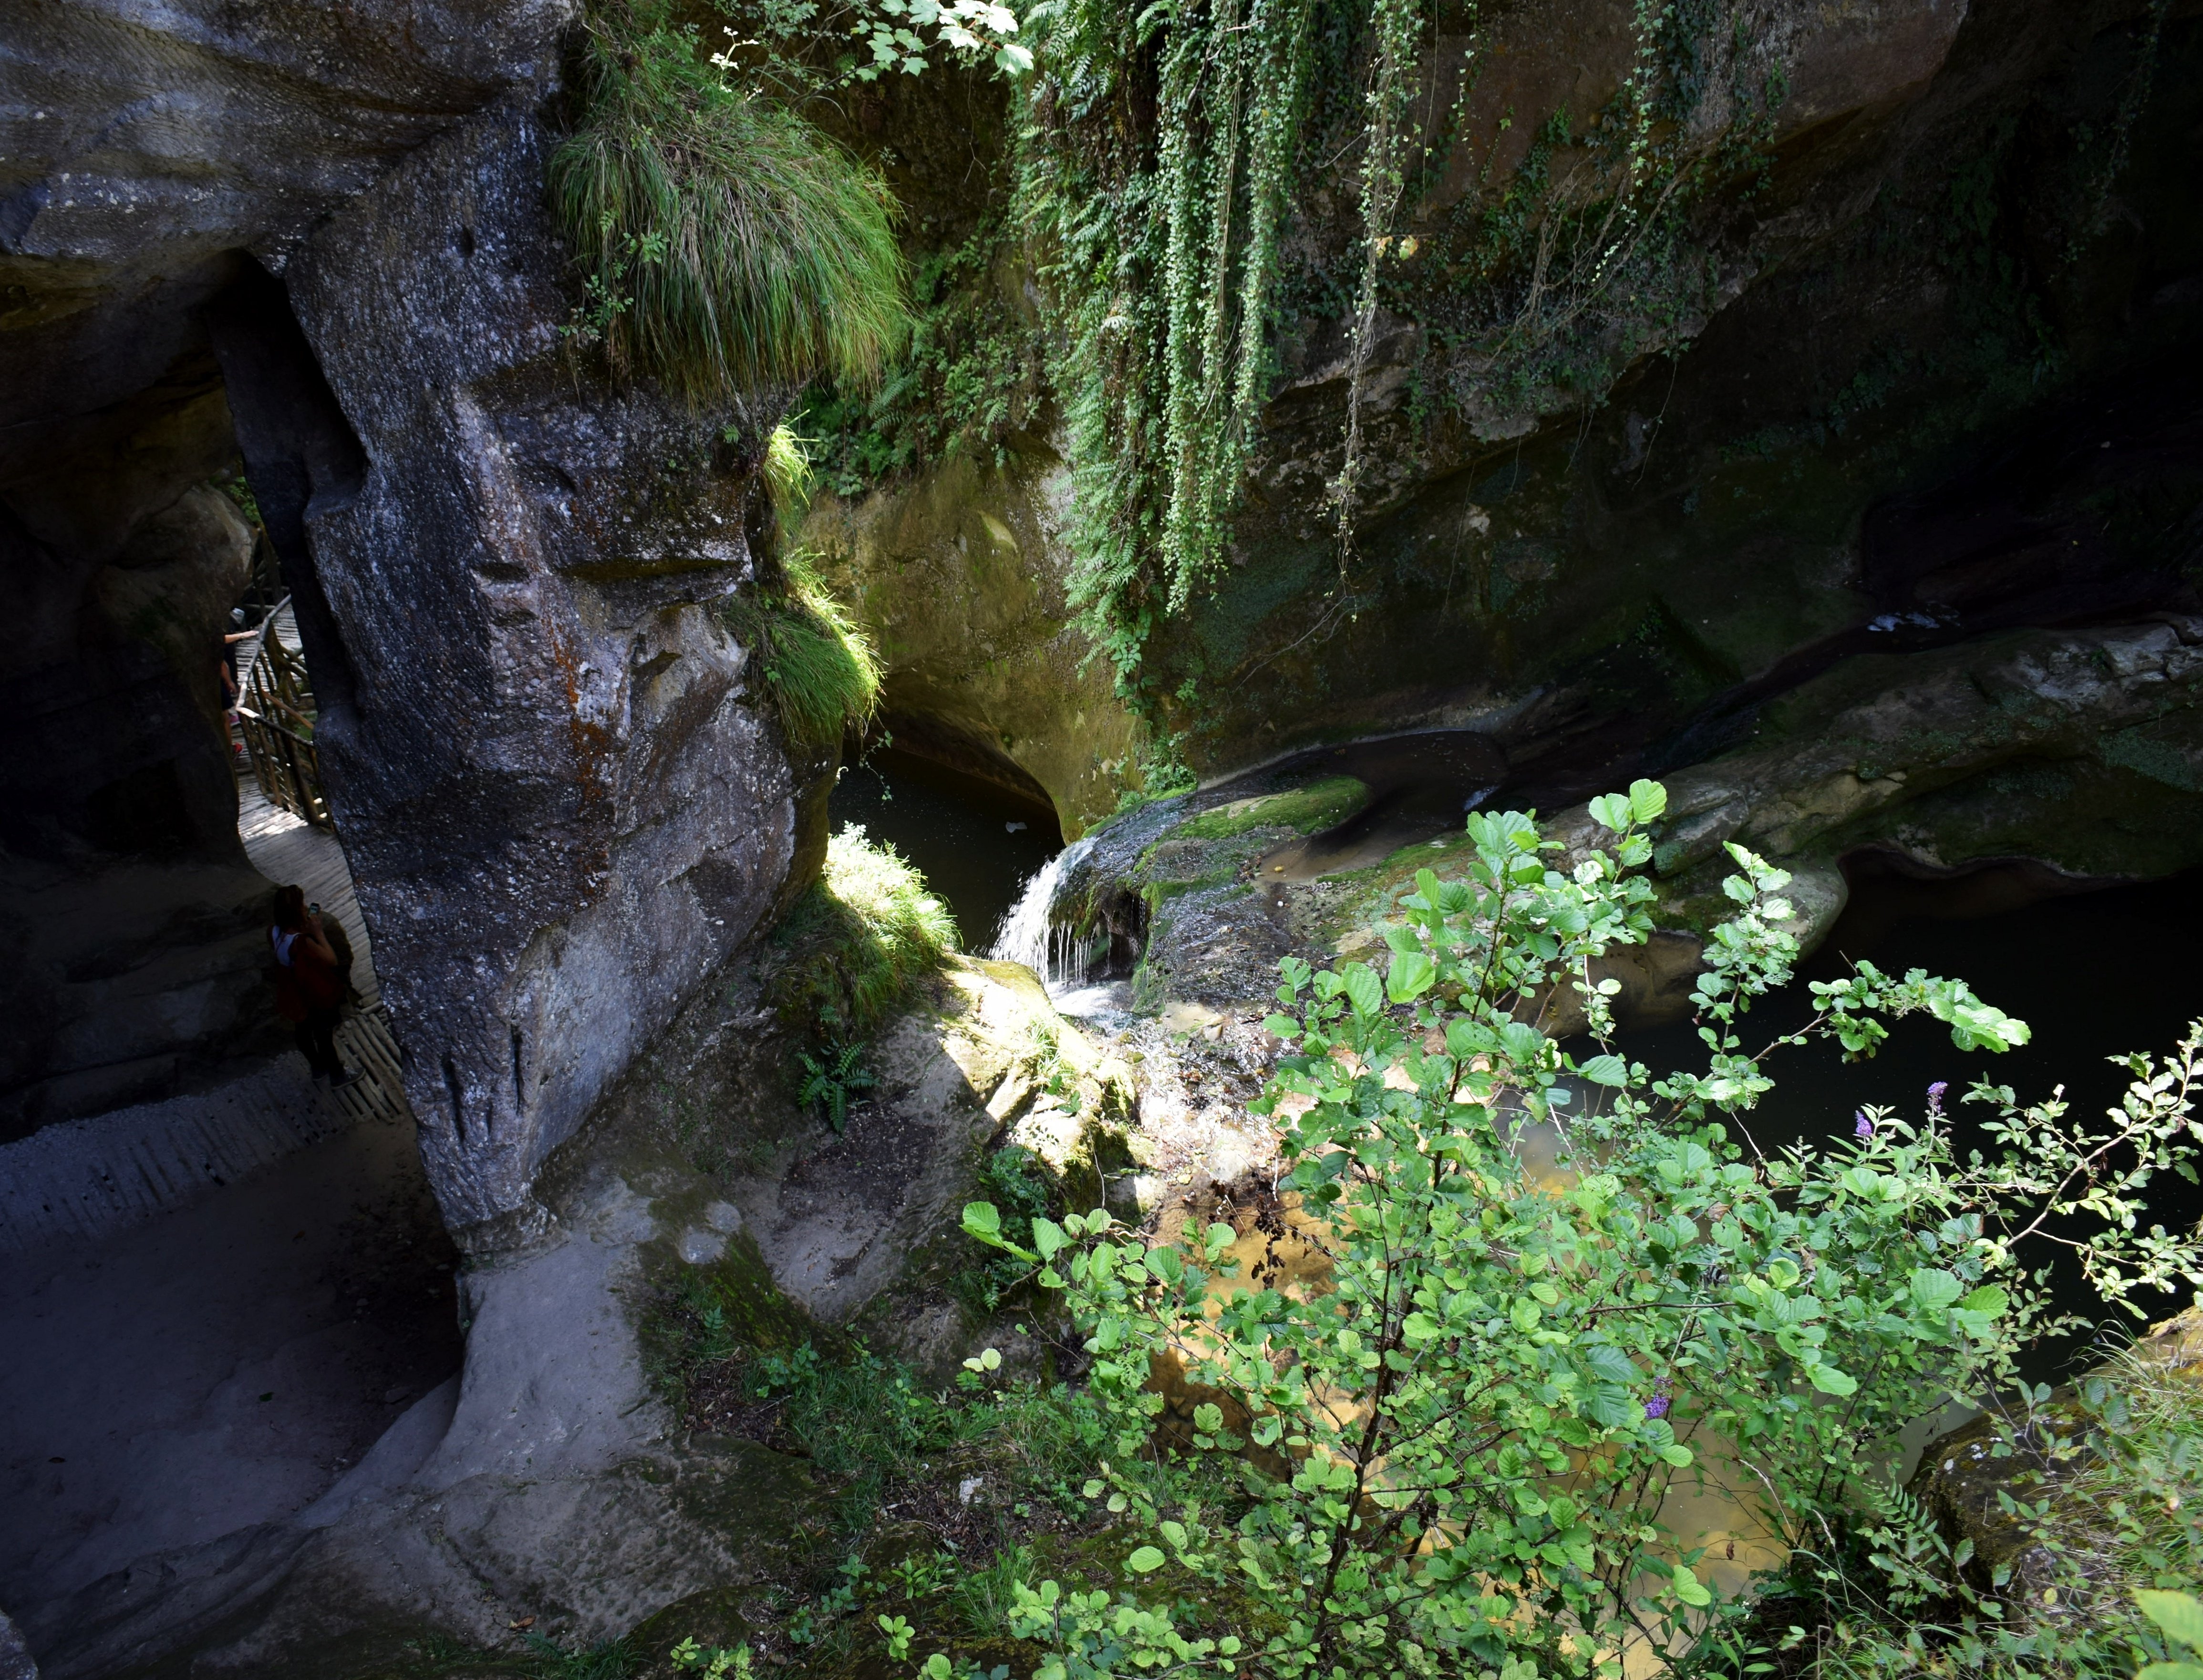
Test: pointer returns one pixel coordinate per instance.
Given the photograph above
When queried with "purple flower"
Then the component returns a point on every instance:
(1657, 1406)
(1935, 1096)
(1862, 1128)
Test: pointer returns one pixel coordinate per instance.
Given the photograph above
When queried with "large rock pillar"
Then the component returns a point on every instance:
(562, 807)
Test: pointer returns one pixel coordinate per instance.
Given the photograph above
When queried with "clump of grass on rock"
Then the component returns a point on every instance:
(858, 939)
(728, 244)
(816, 665)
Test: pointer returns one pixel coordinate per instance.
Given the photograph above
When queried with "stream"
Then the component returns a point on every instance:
(977, 845)
(2094, 973)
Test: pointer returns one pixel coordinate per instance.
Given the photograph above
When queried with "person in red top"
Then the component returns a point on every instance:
(310, 985)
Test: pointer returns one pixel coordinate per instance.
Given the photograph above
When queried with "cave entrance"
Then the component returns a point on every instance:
(279, 1288)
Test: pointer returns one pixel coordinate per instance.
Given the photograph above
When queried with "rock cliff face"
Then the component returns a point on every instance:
(146, 154)
(959, 582)
(561, 804)
(1927, 379)
(560, 807)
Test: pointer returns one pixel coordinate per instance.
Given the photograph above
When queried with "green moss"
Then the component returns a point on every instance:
(1321, 805)
(2137, 750)
(857, 941)
(706, 1314)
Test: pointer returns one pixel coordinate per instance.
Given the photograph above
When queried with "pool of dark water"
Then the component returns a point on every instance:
(2094, 975)
(976, 844)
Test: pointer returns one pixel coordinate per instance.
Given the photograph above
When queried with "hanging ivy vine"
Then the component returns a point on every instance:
(1163, 156)
(1158, 160)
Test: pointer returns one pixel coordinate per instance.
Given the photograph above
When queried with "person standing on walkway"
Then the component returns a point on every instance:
(310, 985)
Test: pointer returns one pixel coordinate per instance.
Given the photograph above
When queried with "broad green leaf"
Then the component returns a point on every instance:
(1676, 1454)
(1933, 1289)
(1523, 1043)
(1611, 811)
(1688, 1588)
(1648, 800)
(1609, 1363)
(1609, 1406)
(1412, 974)
(1465, 1038)
(1989, 1300)
(1610, 1070)
(981, 1221)
(1363, 989)
(2180, 1614)
(1049, 1237)
(1419, 1328)
(1145, 1560)
(1830, 1381)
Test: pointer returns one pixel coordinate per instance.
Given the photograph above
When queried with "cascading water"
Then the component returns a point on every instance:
(1058, 955)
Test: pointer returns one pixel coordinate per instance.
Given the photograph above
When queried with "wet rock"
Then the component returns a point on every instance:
(562, 806)
(1970, 1480)
(986, 1058)
(150, 147)
(1992, 749)
(15, 1662)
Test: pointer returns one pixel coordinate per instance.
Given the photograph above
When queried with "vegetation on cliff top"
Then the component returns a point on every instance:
(727, 243)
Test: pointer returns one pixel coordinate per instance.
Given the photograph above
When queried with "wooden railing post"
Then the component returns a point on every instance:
(275, 714)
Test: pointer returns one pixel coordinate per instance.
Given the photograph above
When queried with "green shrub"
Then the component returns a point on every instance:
(817, 665)
(728, 244)
(2107, 1485)
(857, 940)
(1472, 1431)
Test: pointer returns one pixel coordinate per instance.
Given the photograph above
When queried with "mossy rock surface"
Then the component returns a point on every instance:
(1307, 810)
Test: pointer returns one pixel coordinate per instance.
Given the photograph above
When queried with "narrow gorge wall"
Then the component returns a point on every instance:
(1923, 372)
(561, 804)
(146, 154)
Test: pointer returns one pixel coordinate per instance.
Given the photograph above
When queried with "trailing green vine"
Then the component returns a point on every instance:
(1156, 169)
(1164, 155)
(1174, 185)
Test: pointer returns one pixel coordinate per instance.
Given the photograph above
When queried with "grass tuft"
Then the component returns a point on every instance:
(728, 243)
(858, 938)
(788, 475)
(818, 667)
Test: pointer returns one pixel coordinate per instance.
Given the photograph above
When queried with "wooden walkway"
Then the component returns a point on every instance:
(290, 851)
(83, 1179)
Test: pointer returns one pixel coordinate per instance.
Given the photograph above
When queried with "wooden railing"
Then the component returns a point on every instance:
(264, 592)
(275, 715)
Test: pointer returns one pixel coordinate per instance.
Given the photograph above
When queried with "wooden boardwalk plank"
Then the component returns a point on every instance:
(290, 851)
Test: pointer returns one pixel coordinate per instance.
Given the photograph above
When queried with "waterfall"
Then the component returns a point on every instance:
(1058, 955)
